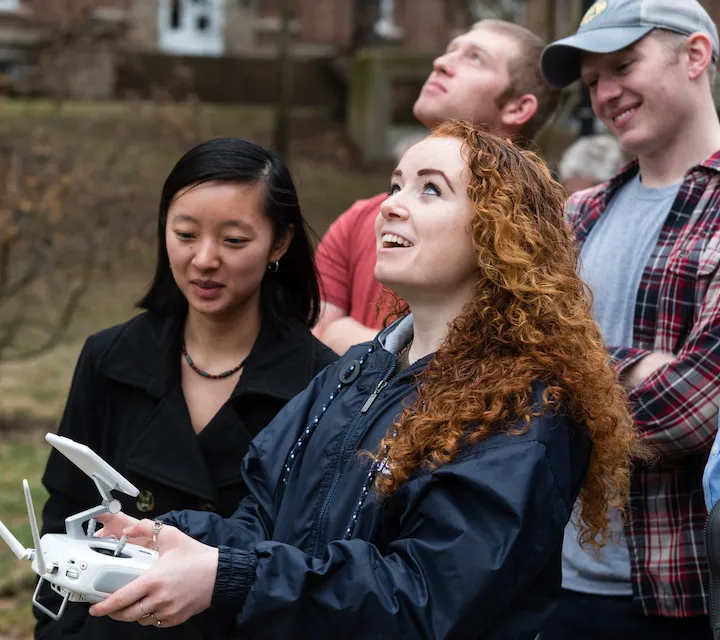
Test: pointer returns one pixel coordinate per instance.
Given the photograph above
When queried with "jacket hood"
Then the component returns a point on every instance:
(397, 335)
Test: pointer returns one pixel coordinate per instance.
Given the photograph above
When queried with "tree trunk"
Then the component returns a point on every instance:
(551, 20)
(365, 14)
(285, 84)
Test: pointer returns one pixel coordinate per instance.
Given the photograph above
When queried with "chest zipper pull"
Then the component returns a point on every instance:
(371, 398)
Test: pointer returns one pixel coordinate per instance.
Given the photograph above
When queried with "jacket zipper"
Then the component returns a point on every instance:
(341, 455)
(371, 398)
(713, 563)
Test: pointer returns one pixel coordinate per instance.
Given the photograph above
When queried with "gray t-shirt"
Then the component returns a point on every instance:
(612, 262)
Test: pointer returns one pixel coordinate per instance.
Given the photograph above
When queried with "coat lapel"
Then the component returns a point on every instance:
(279, 363)
(147, 356)
(225, 433)
(167, 452)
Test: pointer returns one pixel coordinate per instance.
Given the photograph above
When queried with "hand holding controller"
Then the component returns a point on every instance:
(78, 565)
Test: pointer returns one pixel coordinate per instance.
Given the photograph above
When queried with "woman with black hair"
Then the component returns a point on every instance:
(173, 397)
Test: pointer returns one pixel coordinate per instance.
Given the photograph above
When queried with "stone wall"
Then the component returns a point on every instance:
(61, 13)
(378, 80)
(247, 79)
(239, 29)
(142, 33)
(323, 22)
(424, 23)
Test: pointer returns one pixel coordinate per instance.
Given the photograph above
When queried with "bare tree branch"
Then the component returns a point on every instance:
(67, 207)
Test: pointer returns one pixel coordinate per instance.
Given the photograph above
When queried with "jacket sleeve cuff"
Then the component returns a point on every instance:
(174, 519)
(235, 577)
(625, 357)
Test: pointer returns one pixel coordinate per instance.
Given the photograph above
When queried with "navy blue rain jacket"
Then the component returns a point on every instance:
(469, 550)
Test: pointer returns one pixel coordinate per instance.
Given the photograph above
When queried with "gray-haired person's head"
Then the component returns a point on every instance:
(589, 161)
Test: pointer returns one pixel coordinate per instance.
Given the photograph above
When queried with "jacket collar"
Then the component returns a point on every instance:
(147, 352)
(146, 355)
(394, 337)
(608, 189)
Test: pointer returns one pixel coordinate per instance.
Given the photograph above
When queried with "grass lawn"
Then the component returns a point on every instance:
(21, 456)
(32, 393)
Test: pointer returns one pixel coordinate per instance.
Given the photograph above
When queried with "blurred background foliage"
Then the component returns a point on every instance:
(99, 99)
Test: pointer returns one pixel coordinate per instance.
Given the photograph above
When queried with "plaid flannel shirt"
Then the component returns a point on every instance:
(676, 408)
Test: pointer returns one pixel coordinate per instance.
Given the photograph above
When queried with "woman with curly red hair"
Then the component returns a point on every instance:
(419, 488)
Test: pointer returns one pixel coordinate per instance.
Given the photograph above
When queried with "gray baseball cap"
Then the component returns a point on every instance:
(612, 25)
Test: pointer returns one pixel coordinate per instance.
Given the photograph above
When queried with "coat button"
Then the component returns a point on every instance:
(207, 506)
(145, 501)
(350, 372)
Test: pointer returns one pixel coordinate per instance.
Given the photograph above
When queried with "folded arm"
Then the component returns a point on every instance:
(676, 406)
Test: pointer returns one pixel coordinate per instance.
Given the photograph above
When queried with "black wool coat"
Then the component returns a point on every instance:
(126, 404)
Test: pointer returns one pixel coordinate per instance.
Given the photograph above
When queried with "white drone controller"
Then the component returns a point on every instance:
(78, 565)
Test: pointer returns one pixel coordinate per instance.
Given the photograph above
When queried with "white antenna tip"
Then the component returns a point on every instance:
(42, 569)
(18, 550)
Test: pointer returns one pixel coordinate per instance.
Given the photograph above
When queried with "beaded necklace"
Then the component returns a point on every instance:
(205, 374)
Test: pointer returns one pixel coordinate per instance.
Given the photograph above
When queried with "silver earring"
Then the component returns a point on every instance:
(274, 266)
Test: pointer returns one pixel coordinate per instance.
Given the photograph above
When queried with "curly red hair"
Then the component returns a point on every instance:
(530, 319)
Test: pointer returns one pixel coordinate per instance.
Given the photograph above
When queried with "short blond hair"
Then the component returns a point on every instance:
(675, 42)
(525, 75)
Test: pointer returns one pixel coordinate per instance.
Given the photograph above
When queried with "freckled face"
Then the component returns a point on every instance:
(423, 240)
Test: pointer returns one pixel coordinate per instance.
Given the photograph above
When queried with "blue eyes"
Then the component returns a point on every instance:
(432, 188)
(429, 188)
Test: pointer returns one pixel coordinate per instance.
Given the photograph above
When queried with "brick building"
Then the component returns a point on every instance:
(229, 27)
(318, 26)
(235, 27)
(568, 14)
(246, 29)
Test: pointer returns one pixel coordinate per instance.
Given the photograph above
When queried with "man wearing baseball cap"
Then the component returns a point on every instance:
(650, 249)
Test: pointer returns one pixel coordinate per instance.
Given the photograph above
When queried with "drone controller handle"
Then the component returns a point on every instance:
(54, 615)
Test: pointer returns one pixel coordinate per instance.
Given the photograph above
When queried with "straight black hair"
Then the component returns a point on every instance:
(292, 291)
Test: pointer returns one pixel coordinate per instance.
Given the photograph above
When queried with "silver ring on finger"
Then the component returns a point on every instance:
(158, 623)
(144, 615)
(157, 525)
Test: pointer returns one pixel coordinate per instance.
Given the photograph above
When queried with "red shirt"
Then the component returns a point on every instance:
(345, 261)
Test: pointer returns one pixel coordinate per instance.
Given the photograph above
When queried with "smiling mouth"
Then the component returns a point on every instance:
(624, 115)
(206, 285)
(392, 241)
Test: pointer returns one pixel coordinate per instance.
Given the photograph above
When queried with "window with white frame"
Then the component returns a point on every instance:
(9, 5)
(191, 27)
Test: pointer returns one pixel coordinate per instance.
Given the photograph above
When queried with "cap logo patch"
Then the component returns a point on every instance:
(593, 12)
